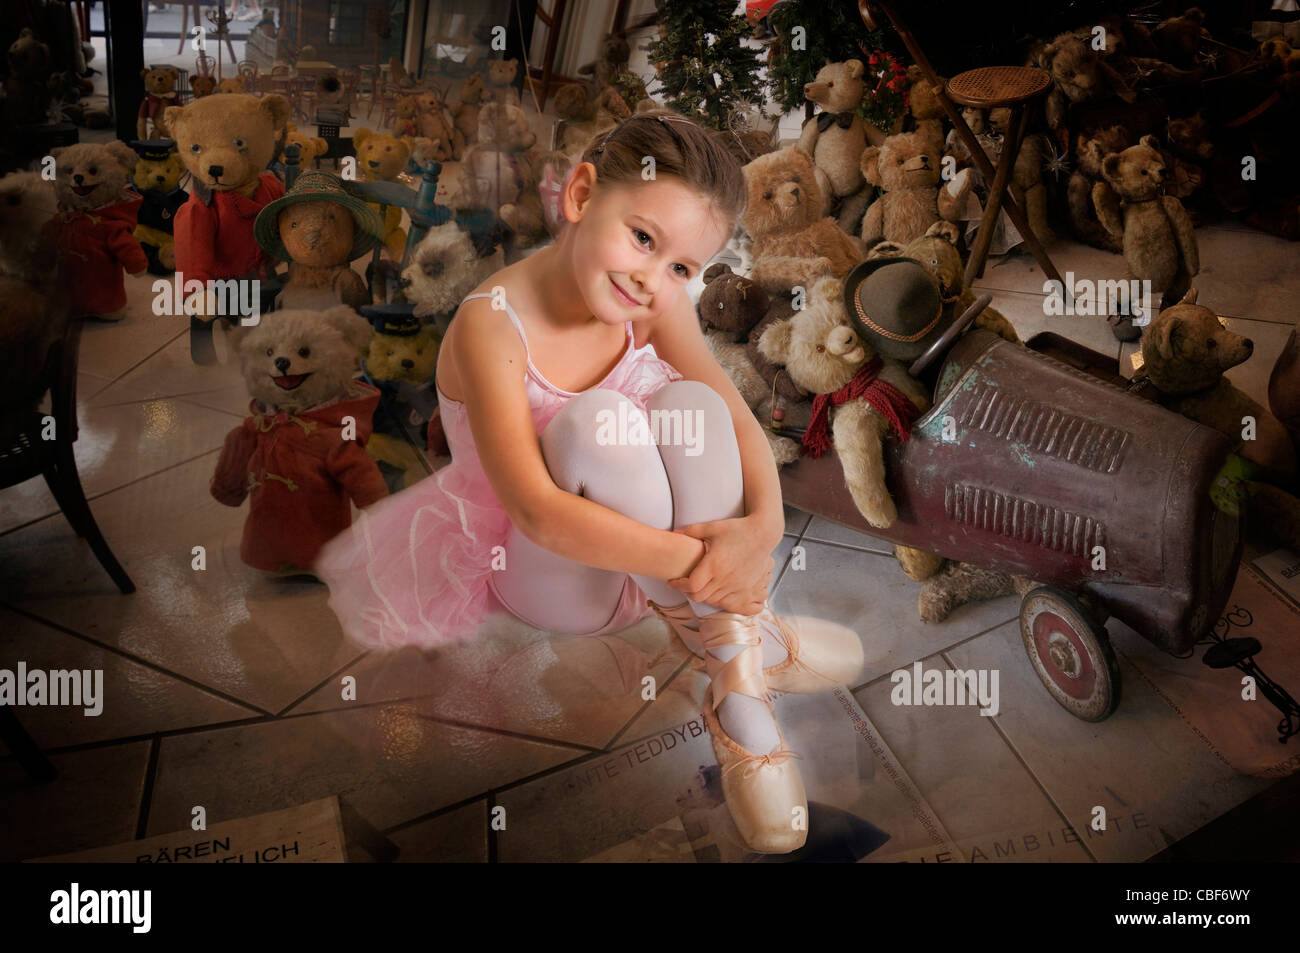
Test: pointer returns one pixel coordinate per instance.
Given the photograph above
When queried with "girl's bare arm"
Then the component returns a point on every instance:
(490, 362)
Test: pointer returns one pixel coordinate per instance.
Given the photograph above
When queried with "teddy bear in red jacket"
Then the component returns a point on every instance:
(93, 230)
(226, 142)
(300, 457)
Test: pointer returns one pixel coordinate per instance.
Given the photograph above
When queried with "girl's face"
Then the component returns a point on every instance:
(636, 246)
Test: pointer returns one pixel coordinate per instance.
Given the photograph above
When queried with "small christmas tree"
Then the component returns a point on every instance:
(705, 70)
(810, 34)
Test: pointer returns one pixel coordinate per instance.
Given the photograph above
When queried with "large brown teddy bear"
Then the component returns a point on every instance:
(923, 101)
(1184, 354)
(504, 157)
(836, 138)
(382, 158)
(94, 227)
(793, 244)
(434, 121)
(1079, 75)
(160, 92)
(1089, 152)
(1158, 241)
(225, 142)
(907, 167)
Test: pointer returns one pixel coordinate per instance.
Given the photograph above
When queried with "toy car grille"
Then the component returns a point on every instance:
(1046, 429)
(1021, 519)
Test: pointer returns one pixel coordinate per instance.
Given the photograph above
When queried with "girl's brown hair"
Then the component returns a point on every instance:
(680, 148)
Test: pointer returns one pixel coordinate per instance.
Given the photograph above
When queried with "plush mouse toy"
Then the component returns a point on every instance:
(300, 456)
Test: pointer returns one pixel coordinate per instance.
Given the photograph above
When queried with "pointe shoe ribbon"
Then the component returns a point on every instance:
(839, 646)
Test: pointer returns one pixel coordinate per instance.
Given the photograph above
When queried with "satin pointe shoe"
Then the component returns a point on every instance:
(762, 791)
(820, 655)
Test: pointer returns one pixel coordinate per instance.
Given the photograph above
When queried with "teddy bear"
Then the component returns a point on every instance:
(94, 225)
(1158, 241)
(793, 244)
(823, 354)
(923, 104)
(611, 71)
(400, 362)
(1178, 39)
(160, 92)
(504, 158)
(226, 142)
(464, 112)
(907, 168)
(201, 86)
(233, 84)
(1187, 158)
(28, 203)
(404, 124)
(157, 177)
(27, 92)
(381, 158)
(1185, 352)
(310, 148)
(586, 116)
(1091, 149)
(445, 266)
(1079, 75)
(300, 458)
(732, 312)
(319, 228)
(836, 138)
(434, 121)
(499, 82)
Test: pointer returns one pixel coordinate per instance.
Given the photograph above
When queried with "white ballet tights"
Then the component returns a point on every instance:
(694, 478)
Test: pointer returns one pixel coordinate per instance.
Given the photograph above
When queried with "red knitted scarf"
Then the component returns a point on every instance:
(883, 396)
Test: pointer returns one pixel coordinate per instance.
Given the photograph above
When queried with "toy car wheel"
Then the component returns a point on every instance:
(1070, 652)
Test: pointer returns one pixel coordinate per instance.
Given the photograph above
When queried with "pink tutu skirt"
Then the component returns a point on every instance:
(414, 568)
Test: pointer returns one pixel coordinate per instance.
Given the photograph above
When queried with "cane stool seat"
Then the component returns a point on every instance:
(991, 86)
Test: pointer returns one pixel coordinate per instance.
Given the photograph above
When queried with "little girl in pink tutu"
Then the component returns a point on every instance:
(593, 481)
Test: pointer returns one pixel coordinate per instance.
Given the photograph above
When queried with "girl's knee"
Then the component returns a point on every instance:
(695, 395)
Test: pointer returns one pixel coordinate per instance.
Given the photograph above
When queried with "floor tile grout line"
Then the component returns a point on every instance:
(503, 732)
(104, 493)
(146, 663)
(1006, 739)
(83, 746)
(144, 360)
(493, 846)
(947, 648)
(321, 684)
(146, 795)
(614, 741)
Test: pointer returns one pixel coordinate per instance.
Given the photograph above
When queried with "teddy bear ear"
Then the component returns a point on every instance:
(1190, 297)
(1163, 336)
(1110, 165)
(854, 68)
(123, 153)
(775, 342)
(172, 117)
(144, 73)
(59, 150)
(276, 107)
(1151, 142)
(355, 329)
(871, 165)
(914, 73)
(945, 230)
(716, 270)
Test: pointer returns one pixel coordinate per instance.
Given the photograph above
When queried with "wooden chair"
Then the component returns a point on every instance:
(205, 65)
(24, 453)
(988, 87)
(553, 21)
(248, 72)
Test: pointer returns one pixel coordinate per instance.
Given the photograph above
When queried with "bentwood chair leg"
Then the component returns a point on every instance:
(975, 267)
(77, 510)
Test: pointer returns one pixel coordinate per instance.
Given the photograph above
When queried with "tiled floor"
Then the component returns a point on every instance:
(222, 686)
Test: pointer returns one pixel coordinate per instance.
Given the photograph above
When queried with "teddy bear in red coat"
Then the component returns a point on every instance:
(93, 230)
(300, 457)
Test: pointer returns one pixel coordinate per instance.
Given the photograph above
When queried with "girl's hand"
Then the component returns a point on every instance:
(736, 568)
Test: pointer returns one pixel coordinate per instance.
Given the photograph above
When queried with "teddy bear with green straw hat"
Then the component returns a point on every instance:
(319, 228)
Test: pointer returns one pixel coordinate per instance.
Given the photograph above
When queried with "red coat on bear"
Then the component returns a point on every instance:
(300, 474)
(94, 246)
(214, 236)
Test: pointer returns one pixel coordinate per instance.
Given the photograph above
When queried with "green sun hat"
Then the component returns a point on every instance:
(895, 306)
(314, 186)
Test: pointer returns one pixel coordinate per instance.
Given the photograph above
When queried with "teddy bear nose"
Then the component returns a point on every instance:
(215, 171)
(1249, 345)
(408, 363)
(77, 178)
(282, 364)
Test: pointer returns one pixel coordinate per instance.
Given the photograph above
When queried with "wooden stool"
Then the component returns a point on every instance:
(988, 88)
(1019, 119)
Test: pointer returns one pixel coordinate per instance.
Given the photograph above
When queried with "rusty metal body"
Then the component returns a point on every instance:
(1046, 464)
